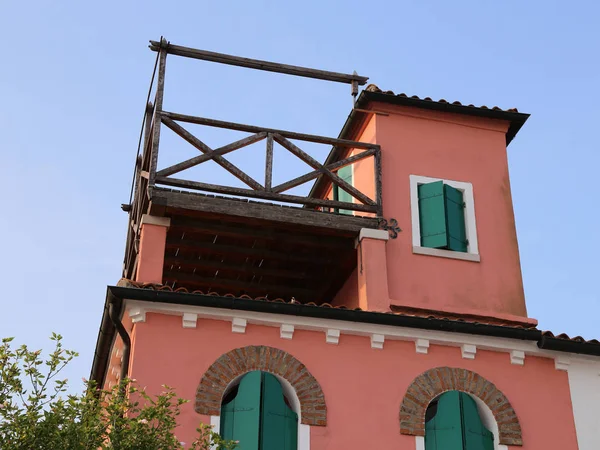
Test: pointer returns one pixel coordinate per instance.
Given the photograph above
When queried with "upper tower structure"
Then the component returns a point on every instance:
(445, 181)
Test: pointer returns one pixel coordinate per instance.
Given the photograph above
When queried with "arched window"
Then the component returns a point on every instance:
(257, 414)
(452, 422)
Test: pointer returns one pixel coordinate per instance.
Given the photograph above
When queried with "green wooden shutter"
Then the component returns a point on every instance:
(345, 173)
(443, 431)
(432, 215)
(455, 219)
(456, 425)
(240, 418)
(476, 436)
(279, 424)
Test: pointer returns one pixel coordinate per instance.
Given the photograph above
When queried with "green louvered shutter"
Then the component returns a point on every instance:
(455, 219)
(240, 418)
(444, 431)
(279, 424)
(432, 216)
(476, 436)
(345, 173)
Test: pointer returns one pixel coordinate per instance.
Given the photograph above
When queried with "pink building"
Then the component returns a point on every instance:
(384, 311)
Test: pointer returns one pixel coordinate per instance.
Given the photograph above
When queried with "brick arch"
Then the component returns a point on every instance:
(434, 382)
(239, 361)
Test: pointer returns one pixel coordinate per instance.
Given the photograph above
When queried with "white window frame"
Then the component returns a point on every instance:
(472, 253)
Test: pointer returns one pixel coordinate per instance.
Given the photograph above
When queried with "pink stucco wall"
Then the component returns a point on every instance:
(363, 387)
(459, 148)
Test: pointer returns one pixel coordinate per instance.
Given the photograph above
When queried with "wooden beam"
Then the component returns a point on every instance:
(228, 190)
(158, 102)
(254, 210)
(269, 163)
(179, 223)
(258, 253)
(195, 263)
(312, 175)
(231, 168)
(260, 64)
(210, 153)
(378, 183)
(255, 129)
(317, 165)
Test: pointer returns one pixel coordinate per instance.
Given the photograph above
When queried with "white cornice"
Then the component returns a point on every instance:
(138, 309)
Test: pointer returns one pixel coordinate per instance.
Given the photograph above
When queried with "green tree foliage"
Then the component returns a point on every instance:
(36, 413)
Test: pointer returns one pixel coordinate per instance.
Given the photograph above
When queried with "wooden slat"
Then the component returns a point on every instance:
(269, 163)
(317, 165)
(312, 175)
(251, 210)
(231, 168)
(189, 225)
(158, 102)
(260, 253)
(261, 64)
(255, 129)
(227, 190)
(378, 183)
(195, 263)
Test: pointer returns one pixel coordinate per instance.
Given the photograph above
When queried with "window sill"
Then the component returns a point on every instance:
(446, 253)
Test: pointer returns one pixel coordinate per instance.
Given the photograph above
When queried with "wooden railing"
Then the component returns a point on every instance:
(266, 190)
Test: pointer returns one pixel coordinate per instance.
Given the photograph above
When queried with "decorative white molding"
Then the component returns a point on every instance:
(370, 233)
(286, 331)
(562, 363)
(517, 357)
(238, 325)
(489, 343)
(377, 340)
(419, 443)
(445, 253)
(137, 314)
(215, 423)
(303, 437)
(332, 336)
(468, 351)
(422, 346)
(470, 225)
(189, 320)
(155, 220)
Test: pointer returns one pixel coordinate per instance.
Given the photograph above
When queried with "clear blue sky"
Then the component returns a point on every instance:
(74, 77)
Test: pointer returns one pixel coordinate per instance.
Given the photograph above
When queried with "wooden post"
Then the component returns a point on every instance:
(269, 163)
(158, 102)
(378, 183)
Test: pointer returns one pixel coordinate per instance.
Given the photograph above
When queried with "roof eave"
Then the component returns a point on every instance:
(516, 119)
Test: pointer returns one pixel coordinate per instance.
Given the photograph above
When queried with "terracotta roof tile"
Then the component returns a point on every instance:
(374, 88)
(566, 337)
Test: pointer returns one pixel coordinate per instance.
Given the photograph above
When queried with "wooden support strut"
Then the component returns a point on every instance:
(259, 64)
(211, 154)
(314, 174)
(317, 165)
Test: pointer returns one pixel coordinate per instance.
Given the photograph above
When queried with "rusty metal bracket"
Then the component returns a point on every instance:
(391, 226)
